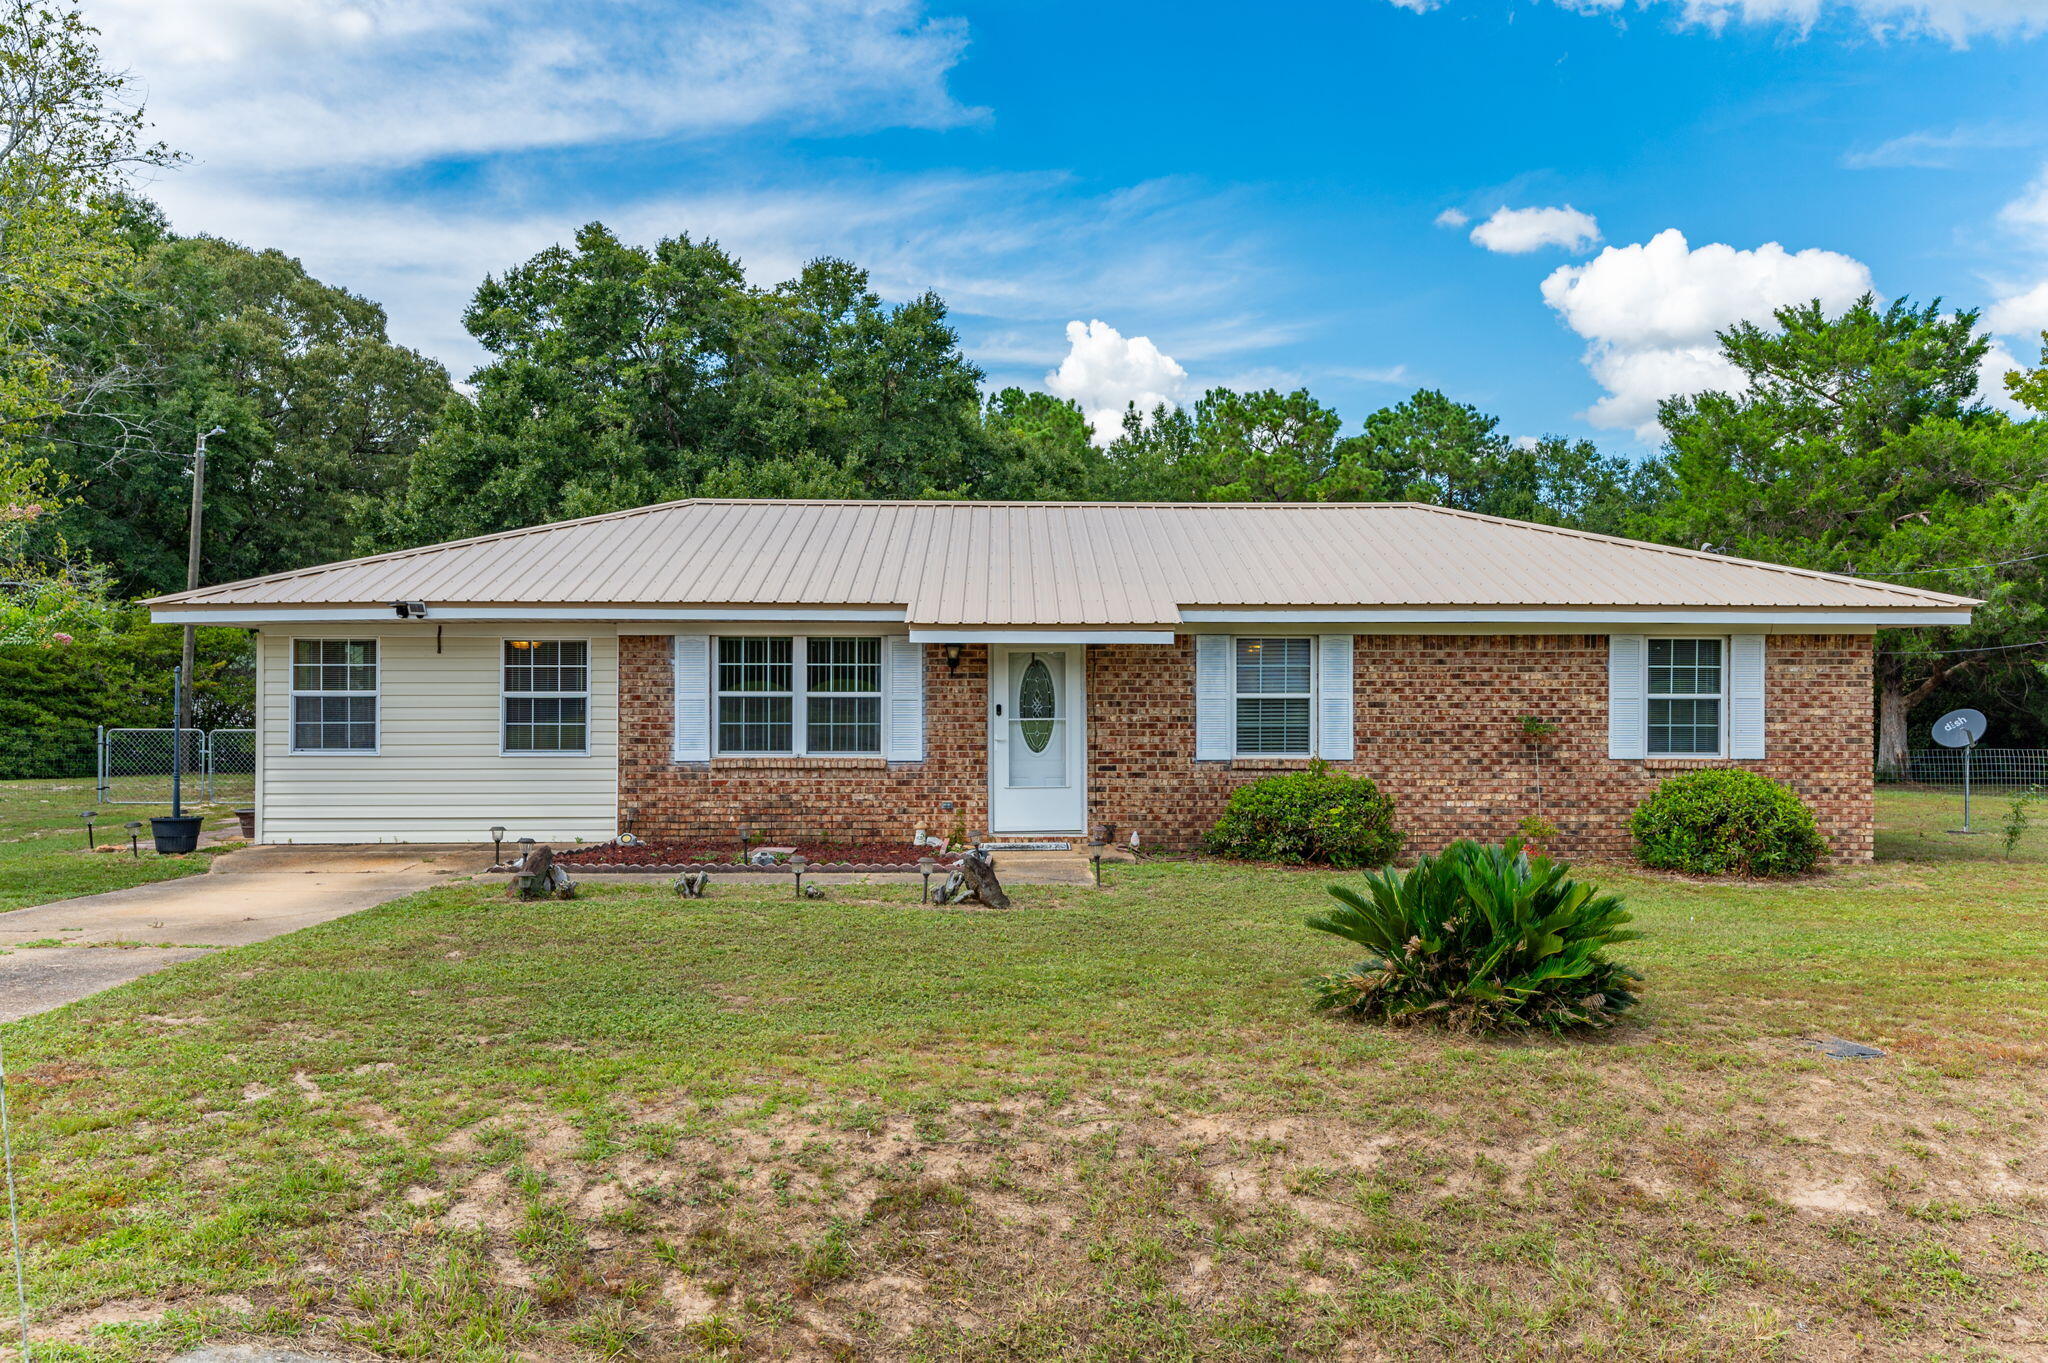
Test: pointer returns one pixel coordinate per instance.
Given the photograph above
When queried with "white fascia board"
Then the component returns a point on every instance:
(934, 634)
(1872, 618)
(285, 615)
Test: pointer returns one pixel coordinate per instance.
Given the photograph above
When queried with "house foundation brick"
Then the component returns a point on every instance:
(1437, 724)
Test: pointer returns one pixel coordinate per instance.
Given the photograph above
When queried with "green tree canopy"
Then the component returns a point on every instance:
(1859, 445)
(626, 375)
(321, 412)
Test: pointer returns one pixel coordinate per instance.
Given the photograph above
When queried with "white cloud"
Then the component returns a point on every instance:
(2021, 314)
(2020, 307)
(1952, 21)
(1105, 370)
(1453, 217)
(1649, 312)
(1991, 371)
(1929, 150)
(285, 84)
(2028, 214)
(1518, 231)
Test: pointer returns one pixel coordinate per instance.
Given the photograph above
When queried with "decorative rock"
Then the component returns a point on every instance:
(814, 892)
(693, 884)
(976, 881)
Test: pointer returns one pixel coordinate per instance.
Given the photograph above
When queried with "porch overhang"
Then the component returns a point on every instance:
(953, 634)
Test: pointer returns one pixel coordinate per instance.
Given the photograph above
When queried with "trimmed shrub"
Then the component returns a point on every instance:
(1480, 939)
(1726, 822)
(1315, 816)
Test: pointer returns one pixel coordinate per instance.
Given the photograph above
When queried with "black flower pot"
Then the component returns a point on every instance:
(175, 836)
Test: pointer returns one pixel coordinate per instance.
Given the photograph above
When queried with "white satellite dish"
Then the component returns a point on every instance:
(1960, 728)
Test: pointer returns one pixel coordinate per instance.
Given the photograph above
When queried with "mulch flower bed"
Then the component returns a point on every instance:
(725, 856)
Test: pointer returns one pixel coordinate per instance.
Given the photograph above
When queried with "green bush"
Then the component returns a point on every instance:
(1315, 816)
(1724, 822)
(52, 695)
(1481, 939)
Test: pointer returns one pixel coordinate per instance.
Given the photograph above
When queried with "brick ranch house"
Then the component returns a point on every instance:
(855, 670)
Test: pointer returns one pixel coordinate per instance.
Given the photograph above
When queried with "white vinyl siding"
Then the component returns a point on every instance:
(439, 774)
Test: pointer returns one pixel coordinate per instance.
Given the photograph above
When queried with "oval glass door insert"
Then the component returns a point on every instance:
(1036, 705)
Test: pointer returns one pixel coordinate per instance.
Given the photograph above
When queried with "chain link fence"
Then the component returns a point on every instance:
(213, 766)
(1990, 768)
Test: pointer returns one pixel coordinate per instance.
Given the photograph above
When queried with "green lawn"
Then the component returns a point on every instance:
(43, 848)
(1100, 1126)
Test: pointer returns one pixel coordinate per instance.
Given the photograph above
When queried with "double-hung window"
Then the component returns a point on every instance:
(1686, 693)
(334, 695)
(1275, 696)
(799, 695)
(547, 696)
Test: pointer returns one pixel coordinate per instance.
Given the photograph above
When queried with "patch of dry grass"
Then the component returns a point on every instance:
(1104, 1125)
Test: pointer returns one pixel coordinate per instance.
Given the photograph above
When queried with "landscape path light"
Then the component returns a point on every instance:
(925, 867)
(797, 864)
(134, 827)
(1095, 859)
(497, 843)
(89, 815)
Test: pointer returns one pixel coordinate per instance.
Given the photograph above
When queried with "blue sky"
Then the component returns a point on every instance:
(1293, 195)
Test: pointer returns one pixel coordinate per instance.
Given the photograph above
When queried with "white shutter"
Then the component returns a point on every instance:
(1215, 699)
(905, 699)
(1746, 696)
(1333, 697)
(693, 697)
(1627, 722)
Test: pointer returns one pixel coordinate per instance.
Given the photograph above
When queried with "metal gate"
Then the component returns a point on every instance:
(135, 765)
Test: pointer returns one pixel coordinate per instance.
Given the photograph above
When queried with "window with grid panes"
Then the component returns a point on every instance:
(799, 695)
(1275, 696)
(1685, 697)
(547, 695)
(334, 695)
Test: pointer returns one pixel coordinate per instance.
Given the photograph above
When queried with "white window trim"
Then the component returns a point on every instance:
(1721, 697)
(1313, 694)
(505, 696)
(292, 694)
(799, 710)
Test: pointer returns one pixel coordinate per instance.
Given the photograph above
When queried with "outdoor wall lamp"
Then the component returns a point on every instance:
(89, 815)
(952, 658)
(409, 610)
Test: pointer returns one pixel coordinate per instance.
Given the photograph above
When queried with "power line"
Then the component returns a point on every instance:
(1956, 568)
(1988, 648)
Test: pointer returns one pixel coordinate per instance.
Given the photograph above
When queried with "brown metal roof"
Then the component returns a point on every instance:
(1056, 563)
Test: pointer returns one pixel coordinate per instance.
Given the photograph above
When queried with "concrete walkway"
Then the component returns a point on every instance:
(246, 897)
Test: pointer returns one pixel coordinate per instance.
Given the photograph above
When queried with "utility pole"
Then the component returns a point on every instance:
(183, 719)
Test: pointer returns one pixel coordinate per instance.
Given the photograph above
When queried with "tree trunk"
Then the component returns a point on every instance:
(1891, 728)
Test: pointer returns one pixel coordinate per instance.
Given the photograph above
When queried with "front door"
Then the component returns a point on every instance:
(1036, 741)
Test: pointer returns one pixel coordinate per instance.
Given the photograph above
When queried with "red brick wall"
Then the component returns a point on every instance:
(1437, 726)
(844, 799)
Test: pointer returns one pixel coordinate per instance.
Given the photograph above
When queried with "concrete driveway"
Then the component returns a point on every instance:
(248, 896)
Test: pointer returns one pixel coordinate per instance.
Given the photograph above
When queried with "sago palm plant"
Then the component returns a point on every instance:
(1480, 938)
